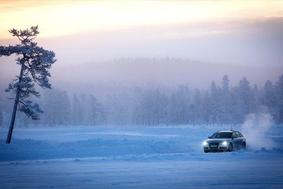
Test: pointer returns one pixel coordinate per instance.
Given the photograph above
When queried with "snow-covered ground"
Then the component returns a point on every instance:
(135, 157)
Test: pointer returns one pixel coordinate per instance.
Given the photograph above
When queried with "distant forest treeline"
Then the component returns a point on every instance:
(219, 104)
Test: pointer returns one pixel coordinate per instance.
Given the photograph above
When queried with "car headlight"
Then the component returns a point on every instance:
(205, 143)
(225, 143)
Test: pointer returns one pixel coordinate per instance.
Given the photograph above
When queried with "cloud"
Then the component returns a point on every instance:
(253, 42)
(59, 18)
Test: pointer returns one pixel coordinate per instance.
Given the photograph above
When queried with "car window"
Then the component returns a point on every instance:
(222, 135)
(240, 134)
(235, 135)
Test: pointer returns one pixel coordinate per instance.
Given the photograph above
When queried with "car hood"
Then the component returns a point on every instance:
(217, 139)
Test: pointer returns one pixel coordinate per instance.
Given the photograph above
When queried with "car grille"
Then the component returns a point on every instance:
(213, 145)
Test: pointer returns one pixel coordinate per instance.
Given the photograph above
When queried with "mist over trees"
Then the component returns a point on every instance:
(221, 103)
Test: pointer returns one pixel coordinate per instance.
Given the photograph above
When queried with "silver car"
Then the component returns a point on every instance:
(224, 141)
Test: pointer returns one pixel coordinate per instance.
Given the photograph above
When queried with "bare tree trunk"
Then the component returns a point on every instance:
(9, 137)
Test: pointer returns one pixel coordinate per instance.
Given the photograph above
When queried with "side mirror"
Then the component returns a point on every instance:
(209, 137)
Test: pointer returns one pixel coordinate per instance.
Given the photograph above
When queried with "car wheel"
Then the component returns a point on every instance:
(230, 148)
(244, 145)
(205, 151)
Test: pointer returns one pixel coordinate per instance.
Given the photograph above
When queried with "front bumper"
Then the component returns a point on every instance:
(216, 149)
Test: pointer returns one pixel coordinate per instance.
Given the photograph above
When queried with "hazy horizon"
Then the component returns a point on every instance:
(236, 32)
(235, 38)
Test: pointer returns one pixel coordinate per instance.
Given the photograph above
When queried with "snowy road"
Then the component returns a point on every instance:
(139, 174)
(133, 158)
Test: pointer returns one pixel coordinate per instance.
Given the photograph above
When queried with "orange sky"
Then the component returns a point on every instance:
(248, 33)
(211, 31)
(57, 18)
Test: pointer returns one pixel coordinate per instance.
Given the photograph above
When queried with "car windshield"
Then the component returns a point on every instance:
(222, 135)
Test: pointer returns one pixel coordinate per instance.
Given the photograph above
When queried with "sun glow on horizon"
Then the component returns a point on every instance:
(69, 17)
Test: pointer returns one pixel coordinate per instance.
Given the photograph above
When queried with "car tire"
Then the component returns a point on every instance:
(230, 148)
(244, 145)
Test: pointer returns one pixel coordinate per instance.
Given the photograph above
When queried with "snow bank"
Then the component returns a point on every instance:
(132, 143)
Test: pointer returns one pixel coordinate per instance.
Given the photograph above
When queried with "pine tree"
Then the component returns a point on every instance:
(96, 113)
(244, 98)
(279, 104)
(65, 108)
(215, 107)
(1, 113)
(225, 101)
(76, 110)
(35, 63)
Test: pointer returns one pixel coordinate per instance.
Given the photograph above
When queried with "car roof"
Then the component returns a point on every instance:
(225, 131)
(229, 131)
